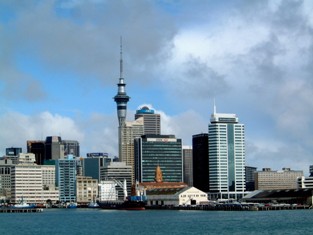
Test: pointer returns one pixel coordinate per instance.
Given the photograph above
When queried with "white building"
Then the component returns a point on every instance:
(226, 156)
(31, 182)
(182, 197)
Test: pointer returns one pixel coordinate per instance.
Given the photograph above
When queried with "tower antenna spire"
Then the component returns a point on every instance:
(121, 57)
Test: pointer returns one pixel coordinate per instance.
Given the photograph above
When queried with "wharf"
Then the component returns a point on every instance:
(231, 207)
(20, 210)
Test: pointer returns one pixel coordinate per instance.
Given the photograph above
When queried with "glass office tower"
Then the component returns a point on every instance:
(164, 151)
(226, 157)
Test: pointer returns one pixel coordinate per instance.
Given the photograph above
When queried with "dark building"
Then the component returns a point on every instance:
(200, 156)
(13, 151)
(164, 151)
(37, 148)
(250, 185)
(92, 166)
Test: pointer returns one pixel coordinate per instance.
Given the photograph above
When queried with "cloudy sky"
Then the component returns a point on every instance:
(59, 66)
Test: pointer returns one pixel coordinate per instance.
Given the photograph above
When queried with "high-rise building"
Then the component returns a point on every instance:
(71, 147)
(226, 156)
(250, 170)
(117, 172)
(92, 166)
(54, 148)
(66, 178)
(5, 178)
(164, 151)
(200, 156)
(187, 162)
(37, 147)
(121, 100)
(151, 120)
(130, 131)
(13, 151)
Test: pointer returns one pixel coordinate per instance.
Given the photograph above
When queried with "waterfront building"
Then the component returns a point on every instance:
(5, 178)
(13, 151)
(121, 100)
(250, 170)
(176, 197)
(26, 180)
(129, 132)
(66, 178)
(151, 120)
(37, 147)
(164, 151)
(108, 191)
(117, 172)
(268, 179)
(226, 156)
(200, 161)
(187, 162)
(92, 166)
(87, 189)
(306, 182)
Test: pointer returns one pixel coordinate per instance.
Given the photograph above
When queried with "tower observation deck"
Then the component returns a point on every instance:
(121, 98)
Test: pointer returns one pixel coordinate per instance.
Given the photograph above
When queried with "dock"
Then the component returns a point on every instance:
(21, 210)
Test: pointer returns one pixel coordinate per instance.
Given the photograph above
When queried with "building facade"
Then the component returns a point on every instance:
(271, 180)
(5, 178)
(86, 189)
(188, 167)
(250, 182)
(226, 156)
(129, 132)
(158, 150)
(37, 147)
(13, 151)
(118, 172)
(66, 179)
(92, 166)
(152, 121)
(200, 161)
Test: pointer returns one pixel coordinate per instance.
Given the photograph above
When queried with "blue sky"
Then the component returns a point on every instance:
(59, 66)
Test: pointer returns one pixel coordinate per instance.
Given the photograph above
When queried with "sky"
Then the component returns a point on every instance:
(59, 69)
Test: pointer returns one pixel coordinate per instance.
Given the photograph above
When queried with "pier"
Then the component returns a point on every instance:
(20, 210)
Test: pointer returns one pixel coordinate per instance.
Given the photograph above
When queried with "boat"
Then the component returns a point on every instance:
(71, 205)
(131, 203)
(23, 205)
(93, 204)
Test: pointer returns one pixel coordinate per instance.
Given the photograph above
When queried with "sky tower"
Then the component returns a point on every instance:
(121, 100)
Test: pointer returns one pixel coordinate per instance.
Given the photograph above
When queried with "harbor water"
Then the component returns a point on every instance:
(97, 221)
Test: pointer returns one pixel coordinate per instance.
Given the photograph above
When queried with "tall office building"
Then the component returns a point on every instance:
(71, 147)
(66, 178)
(164, 151)
(92, 166)
(250, 170)
(54, 148)
(130, 131)
(117, 172)
(200, 156)
(151, 120)
(37, 147)
(121, 100)
(187, 162)
(226, 156)
(13, 151)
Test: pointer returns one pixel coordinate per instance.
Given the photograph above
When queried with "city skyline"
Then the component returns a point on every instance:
(58, 74)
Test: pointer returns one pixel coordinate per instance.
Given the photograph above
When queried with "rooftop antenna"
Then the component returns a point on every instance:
(121, 58)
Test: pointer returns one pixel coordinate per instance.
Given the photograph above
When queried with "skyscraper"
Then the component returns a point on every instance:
(226, 156)
(164, 151)
(121, 100)
(151, 120)
(200, 156)
(187, 160)
(130, 131)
